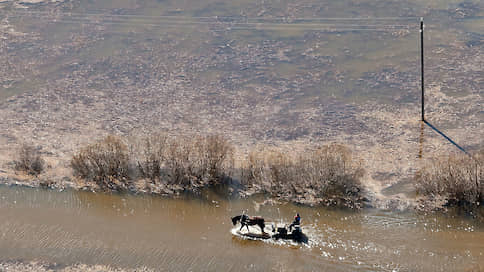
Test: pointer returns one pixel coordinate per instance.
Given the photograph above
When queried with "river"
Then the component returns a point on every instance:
(130, 231)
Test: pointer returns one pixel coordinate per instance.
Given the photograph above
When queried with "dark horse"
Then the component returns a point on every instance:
(249, 221)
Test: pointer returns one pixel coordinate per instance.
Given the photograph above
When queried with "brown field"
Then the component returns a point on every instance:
(67, 81)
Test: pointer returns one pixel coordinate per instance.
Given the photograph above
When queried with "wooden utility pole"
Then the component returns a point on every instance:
(422, 66)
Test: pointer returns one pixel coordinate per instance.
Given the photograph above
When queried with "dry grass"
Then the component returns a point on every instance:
(29, 160)
(457, 178)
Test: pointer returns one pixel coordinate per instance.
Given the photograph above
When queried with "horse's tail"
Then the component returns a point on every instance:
(235, 219)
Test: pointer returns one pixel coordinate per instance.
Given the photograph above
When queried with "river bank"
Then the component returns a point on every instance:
(168, 166)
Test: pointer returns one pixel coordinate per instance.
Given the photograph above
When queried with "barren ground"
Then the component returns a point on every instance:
(69, 79)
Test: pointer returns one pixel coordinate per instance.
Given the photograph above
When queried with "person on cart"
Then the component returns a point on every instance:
(296, 222)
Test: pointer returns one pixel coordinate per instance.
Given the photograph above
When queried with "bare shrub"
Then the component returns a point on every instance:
(183, 160)
(327, 172)
(268, 169)
(218, 157)
(458, 178)
(29, 160)
(105, 162)
(150, 161)
(332, 169)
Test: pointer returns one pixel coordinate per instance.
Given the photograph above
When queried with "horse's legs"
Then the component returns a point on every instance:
(247, 225)
(241, 226)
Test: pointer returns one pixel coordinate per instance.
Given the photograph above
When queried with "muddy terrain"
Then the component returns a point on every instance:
(257, 73)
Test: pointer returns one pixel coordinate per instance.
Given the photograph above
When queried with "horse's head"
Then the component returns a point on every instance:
(235, 219)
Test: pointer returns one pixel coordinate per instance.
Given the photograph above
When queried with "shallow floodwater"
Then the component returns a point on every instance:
(195, 234)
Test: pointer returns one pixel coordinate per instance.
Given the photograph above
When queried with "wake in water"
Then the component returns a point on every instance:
(255, 234)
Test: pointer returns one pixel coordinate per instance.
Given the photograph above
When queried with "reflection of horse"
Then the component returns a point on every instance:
(249, 221)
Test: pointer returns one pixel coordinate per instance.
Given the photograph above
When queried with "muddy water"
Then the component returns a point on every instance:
(194, 234)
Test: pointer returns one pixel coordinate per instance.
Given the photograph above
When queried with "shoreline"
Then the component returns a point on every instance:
(421, 205)
(180, 192)
(318, 175)
(285, 187)
(436, 205)
(425, 207)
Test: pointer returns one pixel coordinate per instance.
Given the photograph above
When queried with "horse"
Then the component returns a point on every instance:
(249, 221)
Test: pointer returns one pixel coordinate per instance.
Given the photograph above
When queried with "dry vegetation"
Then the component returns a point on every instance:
(231, 83)
(105, 162)
(185, 160)
(29, 160)
(190, 162)
(457, 178)
(256, 86)
(326, 175)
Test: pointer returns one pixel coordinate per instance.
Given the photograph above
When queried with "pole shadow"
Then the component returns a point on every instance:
(445, 136)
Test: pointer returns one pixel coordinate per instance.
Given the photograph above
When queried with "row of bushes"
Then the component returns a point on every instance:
(457, 178)
(324, 172)
(201, 161)
(187, 161)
